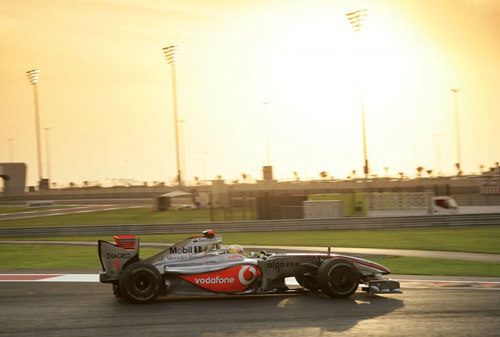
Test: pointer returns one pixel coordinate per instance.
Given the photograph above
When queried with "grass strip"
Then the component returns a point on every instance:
(40, 257)
(470, 239)
(131, 216)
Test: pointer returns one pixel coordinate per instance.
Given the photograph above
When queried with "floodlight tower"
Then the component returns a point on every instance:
(170, 54)
(356, 19)
(33, 77)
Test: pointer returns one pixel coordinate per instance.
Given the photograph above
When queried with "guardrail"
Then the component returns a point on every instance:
(454, 220)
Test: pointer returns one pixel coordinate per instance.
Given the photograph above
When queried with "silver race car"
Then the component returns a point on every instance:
(198, 265)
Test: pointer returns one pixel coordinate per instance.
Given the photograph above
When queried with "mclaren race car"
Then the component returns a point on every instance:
(198, 265)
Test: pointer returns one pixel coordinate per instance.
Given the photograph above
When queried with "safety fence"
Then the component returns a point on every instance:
(452, 220)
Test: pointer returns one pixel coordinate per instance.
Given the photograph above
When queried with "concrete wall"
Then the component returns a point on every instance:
(14, 178)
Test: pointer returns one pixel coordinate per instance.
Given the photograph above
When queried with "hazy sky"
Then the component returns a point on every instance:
(105, 88)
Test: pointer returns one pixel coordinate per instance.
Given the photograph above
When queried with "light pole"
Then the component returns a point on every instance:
(47, 150)
(11, 149)
(170, 53)
(33, 77)
(457, 129)
(355, 19)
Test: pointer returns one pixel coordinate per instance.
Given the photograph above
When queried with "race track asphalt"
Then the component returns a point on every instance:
(89, 309)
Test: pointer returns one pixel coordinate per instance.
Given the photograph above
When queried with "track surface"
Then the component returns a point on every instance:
(89, 309)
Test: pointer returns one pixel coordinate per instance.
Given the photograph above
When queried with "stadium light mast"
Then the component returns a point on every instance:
(170, 54)
(457, 130)
(33, 77)
(356, 20)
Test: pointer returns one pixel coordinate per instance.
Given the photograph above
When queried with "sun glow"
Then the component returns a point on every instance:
(314, 83)
(107, 95)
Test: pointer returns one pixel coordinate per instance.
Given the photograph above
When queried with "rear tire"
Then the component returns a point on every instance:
(338, 278)
(140, 282)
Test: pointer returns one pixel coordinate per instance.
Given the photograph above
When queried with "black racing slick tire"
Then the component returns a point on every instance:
(338, 278)
(140, 282)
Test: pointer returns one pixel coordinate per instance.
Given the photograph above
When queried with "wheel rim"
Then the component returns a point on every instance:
(342, 279)
(142, 283)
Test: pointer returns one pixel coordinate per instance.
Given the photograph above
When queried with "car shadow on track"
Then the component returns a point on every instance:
(308, 313)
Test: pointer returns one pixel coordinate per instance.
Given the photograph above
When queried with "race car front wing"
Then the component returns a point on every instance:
(387, 286)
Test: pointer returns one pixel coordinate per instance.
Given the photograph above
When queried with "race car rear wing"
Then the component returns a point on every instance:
(115, 257)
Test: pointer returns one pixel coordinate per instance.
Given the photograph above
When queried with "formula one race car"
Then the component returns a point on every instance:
(198, 265)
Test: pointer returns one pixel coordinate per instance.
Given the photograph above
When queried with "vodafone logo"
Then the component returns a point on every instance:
(214, 280)
(247, 274)
(230, 280)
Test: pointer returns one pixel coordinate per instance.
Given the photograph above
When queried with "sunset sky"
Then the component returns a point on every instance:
(105, 88)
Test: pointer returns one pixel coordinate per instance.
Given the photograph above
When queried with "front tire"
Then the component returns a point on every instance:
(338, 278)
(140, 282)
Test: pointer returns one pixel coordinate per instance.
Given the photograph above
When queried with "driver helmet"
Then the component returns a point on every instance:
(235, 249)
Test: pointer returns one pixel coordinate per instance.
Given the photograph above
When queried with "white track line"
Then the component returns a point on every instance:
(74, 278)
(88, 278)
(446, 281)
(448, 288)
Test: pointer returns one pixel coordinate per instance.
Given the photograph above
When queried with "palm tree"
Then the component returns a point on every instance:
(323, 174)
(419, 171)
(429, 172)
(354, 173)
(296, 175)
(197, 180)
(386, 169)
(401, 175)
(244, 177)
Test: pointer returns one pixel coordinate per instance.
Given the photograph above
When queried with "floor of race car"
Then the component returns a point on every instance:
(89, 309)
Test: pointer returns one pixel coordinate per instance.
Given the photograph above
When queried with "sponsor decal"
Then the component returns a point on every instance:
(230, 280)
(217, 239)
(183, 257)
(118, 255)
(214, 280)
(185, 250)
(247, 275)
(278, 266)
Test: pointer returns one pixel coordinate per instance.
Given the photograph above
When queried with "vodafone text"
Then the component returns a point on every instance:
(214, 280)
